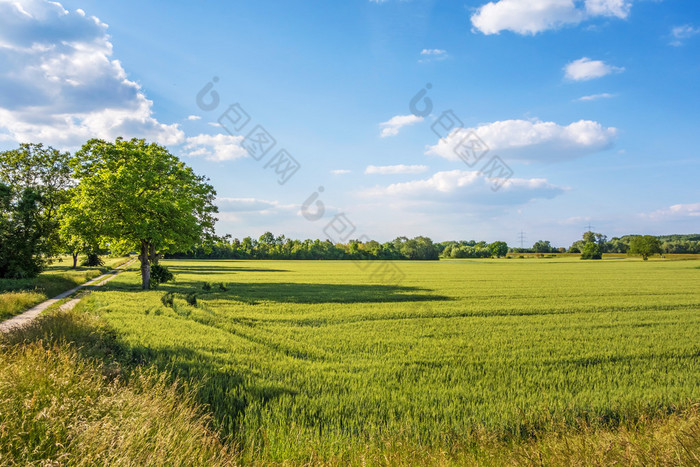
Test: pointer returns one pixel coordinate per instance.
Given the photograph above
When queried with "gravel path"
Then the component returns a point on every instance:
(26, 317)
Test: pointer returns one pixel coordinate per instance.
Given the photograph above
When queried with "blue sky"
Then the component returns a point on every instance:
(590, 108)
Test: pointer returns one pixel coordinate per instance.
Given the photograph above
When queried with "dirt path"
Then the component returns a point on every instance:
(26, 317)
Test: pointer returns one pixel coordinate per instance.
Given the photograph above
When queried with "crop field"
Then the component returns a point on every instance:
(302, 360)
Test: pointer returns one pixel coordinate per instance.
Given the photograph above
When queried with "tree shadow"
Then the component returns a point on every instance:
(95, 341)
(209, 270)
(307, 293)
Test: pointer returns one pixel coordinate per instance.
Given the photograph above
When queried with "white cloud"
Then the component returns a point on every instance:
(460, 187)
(595, 97)
(60, 84)
(677, 211)
(395, 169)
(194, 117)
(433, 52)
(392, 126)
(612, 8)
(681, 33)
(215, 147)
(429, 55)
(245, 205)
(340, 171)
(531, 141)
(585, 69)
(534, 16)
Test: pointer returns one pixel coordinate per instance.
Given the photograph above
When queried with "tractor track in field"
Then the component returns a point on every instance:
(23, 319)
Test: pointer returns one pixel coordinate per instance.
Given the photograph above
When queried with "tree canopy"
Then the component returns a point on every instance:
(34, 182)
(138, 194)
(645, 245)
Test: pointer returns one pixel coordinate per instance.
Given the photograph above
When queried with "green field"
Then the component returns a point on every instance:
(319, 360)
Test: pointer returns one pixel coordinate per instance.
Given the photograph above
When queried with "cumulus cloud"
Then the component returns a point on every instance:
(531, 141)
(585, 69)
(193, 117)
(395, 169)
(534, 16)
(340, 171)
(469, 187)
(215, 147)
(595, 97)
(677, 211)
(392, 126)
(61, 85)
(680, 33)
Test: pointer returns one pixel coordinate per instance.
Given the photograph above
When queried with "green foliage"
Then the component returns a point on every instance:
(645, 245)
(139, 194)
(591, 251)
(160, 275)
(543, 246)
(34, 182)
(92, 259)
(499, 249)
(321, 360)
(206, 286)
(270, 247)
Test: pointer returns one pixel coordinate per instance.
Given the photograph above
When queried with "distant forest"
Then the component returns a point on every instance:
(269, 246)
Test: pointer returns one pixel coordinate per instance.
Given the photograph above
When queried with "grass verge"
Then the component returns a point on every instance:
(18, 295)
(65, 399)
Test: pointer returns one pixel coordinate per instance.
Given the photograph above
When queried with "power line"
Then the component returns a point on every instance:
(521, 236)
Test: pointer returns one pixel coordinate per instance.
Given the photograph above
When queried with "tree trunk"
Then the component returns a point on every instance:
(153, 257)
(75, 260)
(145, 265)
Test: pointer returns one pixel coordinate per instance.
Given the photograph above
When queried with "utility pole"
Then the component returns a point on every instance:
(522, 239)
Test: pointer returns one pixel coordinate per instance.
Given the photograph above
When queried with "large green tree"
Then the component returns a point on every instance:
(645, 245)
(499, 249)
(137, 193)
(34, 182)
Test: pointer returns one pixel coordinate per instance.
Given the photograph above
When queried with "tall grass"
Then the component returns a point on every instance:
(65, 400)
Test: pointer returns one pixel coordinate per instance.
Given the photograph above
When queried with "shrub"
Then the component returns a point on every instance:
(591, 251)
(159, 275)
(206, 286)
(92, 259)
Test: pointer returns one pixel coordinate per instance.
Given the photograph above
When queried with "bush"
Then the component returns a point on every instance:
(206, 286)
(159, 275)
(591, 251)
(93, 259)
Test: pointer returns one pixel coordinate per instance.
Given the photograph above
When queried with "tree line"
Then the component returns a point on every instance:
(120, 196)
(130, 195)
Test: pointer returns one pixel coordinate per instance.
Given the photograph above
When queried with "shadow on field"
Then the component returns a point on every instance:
(209, 270)
(294, 292)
